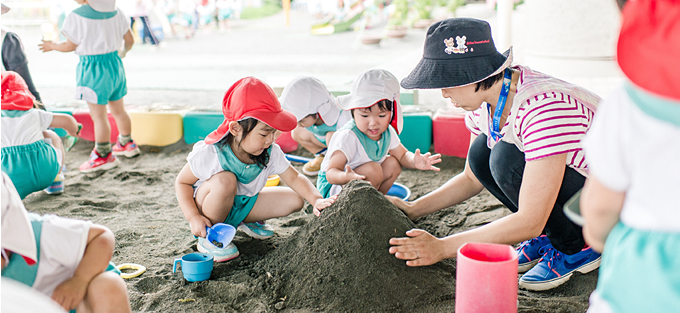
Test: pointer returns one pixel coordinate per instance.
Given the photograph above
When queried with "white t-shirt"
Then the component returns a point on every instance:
(630, 151)
(96, 36)
(24, 129)
(346, 141)
(204, 163)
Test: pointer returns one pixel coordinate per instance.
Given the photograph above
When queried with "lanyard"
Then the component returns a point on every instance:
(494, 128)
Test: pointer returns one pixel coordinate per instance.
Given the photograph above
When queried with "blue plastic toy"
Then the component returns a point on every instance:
(400, 191)
(220, 232)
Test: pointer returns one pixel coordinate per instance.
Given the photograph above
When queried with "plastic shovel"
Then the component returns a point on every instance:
(220, 233)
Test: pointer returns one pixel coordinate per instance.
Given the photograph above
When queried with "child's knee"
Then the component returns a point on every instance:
(391, 167)
(373, 173)
(106, 290)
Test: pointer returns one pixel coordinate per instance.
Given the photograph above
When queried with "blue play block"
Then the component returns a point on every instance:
(60, 131)
(199, 124)
(417, 132)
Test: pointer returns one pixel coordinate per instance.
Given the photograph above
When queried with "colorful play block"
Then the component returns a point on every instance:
(60, 131)
(417, 131)
(87, 133)
(407, 97)
(156, 128)
(286, 142)
(198, 124)
(449, 133)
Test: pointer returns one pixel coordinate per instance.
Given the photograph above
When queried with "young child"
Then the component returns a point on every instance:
(629, 201)
(65, 259)
(318, 115)
(95, 31)
(224, 178)
(32, 155)
(368, 147)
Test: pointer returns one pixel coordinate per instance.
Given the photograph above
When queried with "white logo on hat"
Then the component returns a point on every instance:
(460, 41)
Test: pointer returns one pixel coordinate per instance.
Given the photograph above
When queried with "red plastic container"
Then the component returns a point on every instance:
(449, 134)
(486, 278)
(87, 133)
(286, 142)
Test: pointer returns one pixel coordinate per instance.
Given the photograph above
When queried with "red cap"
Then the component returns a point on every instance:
(250, 97)
(649, 45)
(15, 94)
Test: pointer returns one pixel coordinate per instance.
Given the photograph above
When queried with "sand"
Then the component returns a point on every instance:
(334, 263)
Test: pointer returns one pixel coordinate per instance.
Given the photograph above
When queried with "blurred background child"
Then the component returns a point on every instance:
(318, 116)
(14, 58)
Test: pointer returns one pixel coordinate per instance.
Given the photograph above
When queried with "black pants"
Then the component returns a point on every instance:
(500, 170)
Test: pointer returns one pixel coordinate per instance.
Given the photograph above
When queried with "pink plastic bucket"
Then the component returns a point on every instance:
(486, 278)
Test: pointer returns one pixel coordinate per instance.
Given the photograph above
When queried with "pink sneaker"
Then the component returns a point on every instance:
(128, 150)
(98, 163)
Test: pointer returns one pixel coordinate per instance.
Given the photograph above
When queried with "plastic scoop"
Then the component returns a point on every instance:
(220, 234)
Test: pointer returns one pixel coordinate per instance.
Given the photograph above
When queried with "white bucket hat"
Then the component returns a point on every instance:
(102, 5)
(17, 232)
(307, 95)
(371, 87)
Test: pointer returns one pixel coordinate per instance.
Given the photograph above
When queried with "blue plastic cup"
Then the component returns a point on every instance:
(195, 266)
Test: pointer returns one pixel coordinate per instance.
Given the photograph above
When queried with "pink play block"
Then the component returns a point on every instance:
(449, 133)
(87, 133)
(286, 142)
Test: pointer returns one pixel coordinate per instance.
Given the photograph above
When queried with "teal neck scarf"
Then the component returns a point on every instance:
(321, 130)
(376, 150)
(87, 11)
(655, 106)
(245, 173)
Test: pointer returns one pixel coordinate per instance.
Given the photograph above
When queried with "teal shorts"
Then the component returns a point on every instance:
(323, 185)
(321, 139)
(240, 209)
(100, 78)
(31, 167)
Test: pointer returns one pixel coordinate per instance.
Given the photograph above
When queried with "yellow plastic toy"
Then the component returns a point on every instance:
(156, 128)
(272, 180)
(139, 270)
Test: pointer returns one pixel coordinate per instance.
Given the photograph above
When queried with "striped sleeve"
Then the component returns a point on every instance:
(552, 124)
(472, 122)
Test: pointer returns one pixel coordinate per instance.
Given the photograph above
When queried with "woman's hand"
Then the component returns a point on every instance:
(420, 248)
(405, 206)
(321, 204)
(424, 162)
(198, 224)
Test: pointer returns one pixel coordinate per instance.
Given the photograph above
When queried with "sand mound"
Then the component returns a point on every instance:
(340, 261)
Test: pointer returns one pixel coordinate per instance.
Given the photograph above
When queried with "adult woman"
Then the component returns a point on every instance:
(525, 149)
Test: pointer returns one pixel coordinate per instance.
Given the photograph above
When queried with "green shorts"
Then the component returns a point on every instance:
(100, 78)
(31, 167)
(240, 209)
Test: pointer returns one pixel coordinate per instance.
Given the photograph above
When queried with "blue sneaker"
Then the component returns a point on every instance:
(555, 268)
(257, 230)
(530, 251)
(57, 186)
(219, 254)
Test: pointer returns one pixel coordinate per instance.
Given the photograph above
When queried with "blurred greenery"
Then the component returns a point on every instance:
(268, 8)
(400, 13)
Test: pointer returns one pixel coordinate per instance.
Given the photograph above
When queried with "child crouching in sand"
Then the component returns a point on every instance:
(224, 178)
(368, 147)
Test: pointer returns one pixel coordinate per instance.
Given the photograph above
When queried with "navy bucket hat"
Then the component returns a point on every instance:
(458, 52)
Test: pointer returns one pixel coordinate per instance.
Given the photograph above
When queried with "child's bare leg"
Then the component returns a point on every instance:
(373, 173)
(391, 169)
(56, 142)
(307, 140)
(106, 293)
(121, 116)
(274, 202)
(215, 197)
(102, 128)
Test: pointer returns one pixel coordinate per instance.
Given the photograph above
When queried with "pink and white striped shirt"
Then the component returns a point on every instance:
(548, 117)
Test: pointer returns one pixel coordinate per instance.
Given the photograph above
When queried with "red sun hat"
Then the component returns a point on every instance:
(648, 50)
(15, 94)
(250, 97)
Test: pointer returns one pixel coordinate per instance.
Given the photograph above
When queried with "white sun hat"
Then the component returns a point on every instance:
(102, 5)
(17, 232)
(307, 95)
(371, 87)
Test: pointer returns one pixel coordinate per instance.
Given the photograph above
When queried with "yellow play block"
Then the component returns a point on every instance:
(156, 128)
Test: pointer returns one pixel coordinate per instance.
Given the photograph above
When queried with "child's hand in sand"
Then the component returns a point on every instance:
(198, 223)
(350, 175)
(424, 162)
(70, 292)
(321, 204)
(418, 249)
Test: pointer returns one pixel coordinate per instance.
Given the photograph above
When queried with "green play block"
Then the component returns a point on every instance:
(60, 131)
(198, 124)
(417, 132)
(407, 97)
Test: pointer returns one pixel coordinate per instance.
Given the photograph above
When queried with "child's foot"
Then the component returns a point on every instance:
(313, 167)
(219, 254)
(98, 163)
(128, 150)
(57, 186)
(257, 230)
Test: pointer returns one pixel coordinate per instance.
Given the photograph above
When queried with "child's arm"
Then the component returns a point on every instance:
(97, 255)
(65, 121)
(66, 46)
(185, 196)
(129, 41)
(416, 160)
(335, 174)
(600, 207)
(302, 186)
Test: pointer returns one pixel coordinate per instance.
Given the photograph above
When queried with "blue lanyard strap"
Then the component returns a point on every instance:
(494, 127)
